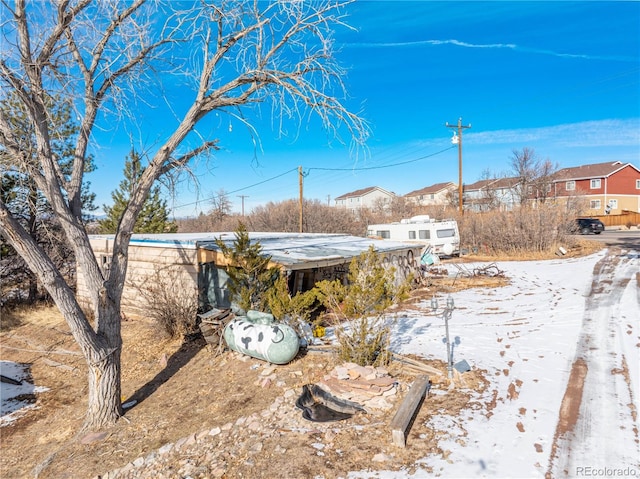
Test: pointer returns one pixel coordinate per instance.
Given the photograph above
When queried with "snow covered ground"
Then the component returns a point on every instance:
(16, 399)
(561, 346)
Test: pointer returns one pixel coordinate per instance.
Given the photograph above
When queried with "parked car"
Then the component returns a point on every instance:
(589, 225)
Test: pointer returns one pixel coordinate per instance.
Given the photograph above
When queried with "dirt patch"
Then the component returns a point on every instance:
(570, 406)
(183, 388)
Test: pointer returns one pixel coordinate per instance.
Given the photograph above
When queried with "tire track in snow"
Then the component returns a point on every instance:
(597, 423)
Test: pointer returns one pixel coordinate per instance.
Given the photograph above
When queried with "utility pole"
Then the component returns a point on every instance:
(243, 197)
(328, 200)
(300, 177)
(458, 139)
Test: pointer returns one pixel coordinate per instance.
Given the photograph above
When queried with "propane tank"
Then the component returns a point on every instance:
(260, 336)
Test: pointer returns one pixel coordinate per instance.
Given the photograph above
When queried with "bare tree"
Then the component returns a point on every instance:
(523, 165)
(400, 207)
(544, 180)
(105, 56)
(534, 176)
(489, 196)
(317, 218)
(220, 205)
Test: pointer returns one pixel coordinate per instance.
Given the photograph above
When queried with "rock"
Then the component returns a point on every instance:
(215, 431)
(380, 457)
(180, 442)
(255, 426)
(165, 449)
(265, 383)
(393, 391)
(256, 448)
(217, 472)
(378, 402)
(341, 373)
(93, 437)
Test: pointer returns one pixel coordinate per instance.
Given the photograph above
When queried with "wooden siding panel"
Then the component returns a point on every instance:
(623, 182)
(178, 265)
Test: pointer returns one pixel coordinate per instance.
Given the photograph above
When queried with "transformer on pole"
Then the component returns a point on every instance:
(457, 139)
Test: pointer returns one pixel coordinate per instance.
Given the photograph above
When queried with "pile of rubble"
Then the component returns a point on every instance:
(372, 387)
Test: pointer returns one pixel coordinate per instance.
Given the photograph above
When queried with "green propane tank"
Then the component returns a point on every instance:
(260, 336)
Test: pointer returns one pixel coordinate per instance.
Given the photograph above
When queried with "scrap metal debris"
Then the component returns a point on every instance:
(320, 406)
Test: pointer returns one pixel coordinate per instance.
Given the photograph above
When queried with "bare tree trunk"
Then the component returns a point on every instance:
(104, 392)
(101, 350)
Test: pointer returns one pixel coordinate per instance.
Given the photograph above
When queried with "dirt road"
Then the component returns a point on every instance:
(599, 410)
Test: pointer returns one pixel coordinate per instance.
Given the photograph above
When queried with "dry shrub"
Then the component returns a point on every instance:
(358, 309)
(171, 300)
(528, 230)
(365, 341)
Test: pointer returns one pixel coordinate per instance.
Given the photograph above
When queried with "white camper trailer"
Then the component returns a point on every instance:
(443, 236)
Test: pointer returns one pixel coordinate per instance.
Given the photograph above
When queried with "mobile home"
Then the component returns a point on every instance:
(193, 264)
(443, 236)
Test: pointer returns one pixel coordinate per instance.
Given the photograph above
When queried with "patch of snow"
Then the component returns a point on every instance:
(16, 399)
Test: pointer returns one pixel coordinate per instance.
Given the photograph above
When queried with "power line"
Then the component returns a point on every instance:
(317, 169)
(382, 166)
(236, 191)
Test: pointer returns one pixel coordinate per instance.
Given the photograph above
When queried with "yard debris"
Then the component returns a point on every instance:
(401, 422)
(320, 406)
(490, 270)
(8, 380)
(212, 324)
(415, 365)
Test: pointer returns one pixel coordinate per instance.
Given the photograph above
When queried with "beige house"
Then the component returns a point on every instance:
(365, 198)
(492, 194)
(432, 195)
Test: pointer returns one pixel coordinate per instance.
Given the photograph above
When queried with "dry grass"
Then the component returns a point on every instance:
(574, 247)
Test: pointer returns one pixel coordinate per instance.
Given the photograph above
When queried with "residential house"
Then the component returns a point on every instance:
(492, 194)
(192, 265)
(608, 187)
(431, 195)
(364, 198)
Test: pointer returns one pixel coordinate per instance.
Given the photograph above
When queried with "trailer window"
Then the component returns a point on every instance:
(448, 233)
(386, 234)
(412, 235)
(424, 234)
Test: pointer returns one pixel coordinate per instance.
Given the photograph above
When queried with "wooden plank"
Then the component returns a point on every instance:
(404, 416)
(420, 365)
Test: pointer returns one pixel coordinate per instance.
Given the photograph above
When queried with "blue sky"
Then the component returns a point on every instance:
(562, 78)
